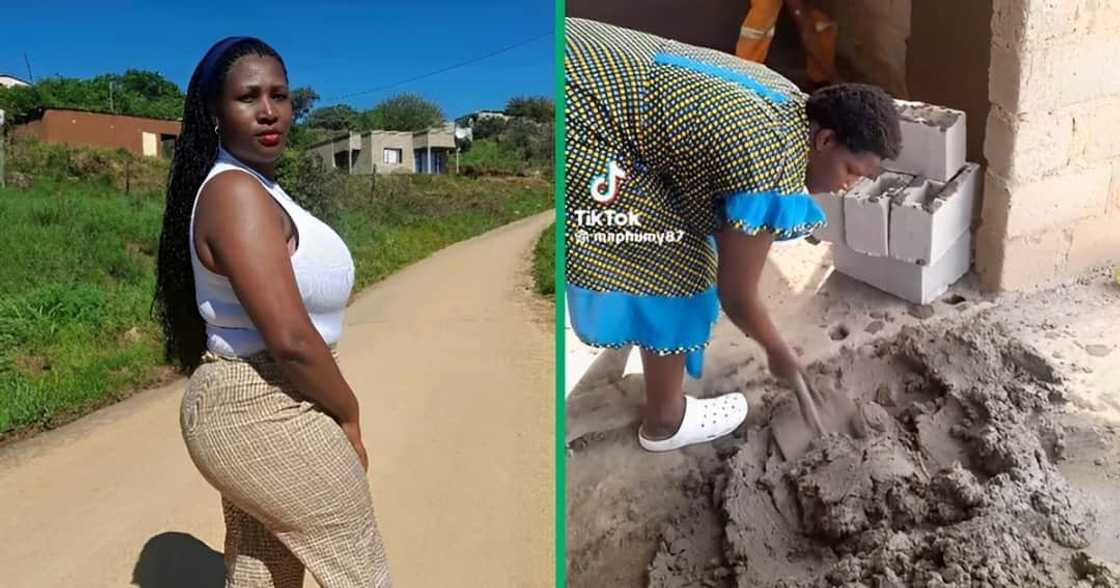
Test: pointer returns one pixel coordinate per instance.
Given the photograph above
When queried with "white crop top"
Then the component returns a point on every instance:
(324, 272)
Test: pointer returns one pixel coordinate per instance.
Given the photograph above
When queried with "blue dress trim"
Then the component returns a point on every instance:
(716, 71)
(787, 216)
(662, 324)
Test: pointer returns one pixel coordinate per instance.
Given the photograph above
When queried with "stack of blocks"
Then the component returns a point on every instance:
(908, 231)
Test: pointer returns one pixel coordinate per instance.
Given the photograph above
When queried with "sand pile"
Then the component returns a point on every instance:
(956, 485)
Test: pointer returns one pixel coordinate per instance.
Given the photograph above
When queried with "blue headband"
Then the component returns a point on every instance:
(210, 61)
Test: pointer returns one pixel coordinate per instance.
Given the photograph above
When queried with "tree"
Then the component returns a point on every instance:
(148, 84)
(303, 100)
(340, 117)
(136, 92)
(536, 108)
(488, 126)
(532, 140)
(406, 112)
(21, 103)
(141, 93)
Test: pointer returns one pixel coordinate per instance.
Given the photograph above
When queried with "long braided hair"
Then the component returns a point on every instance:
(196, 149)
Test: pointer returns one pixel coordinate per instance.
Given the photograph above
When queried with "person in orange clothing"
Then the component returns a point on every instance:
(818, 36)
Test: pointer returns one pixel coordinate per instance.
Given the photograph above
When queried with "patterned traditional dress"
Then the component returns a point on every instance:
(666, 145)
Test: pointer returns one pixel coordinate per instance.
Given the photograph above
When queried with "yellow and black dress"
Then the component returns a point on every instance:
(666, 145)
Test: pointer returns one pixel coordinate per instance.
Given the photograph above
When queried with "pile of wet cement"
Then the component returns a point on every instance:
(959, 489)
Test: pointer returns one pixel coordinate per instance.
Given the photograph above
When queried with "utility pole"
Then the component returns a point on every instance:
(30, 77)
(111, 96)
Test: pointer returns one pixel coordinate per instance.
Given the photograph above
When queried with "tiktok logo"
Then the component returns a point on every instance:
(604, 188)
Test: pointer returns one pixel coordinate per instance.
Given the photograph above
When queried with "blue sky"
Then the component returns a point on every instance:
(338, 48)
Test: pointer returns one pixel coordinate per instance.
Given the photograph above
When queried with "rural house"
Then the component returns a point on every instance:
(9, 81)
(471, 119)
(364, 153)
(142, 136)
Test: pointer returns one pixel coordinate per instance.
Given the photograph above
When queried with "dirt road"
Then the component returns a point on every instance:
(452, 359)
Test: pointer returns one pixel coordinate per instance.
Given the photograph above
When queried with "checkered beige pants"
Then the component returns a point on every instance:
(294, 494)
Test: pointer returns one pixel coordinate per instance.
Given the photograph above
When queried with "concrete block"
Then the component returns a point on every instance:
(832, 203)
(1022, 262)
(1009, 22)
(1073, 65)
(867, 212)
(933, 141)
(1005, 78)
(1049, 203)
(1106, 19)
(1095, 136)
(930, 217)
(1093, 243)
(989, 255)
(1029, 146)
(920, 284)
(994, 206)
(1053, 76)
(1035, 22)
(1113, 207)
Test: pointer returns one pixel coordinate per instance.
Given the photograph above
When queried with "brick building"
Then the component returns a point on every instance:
(141, 136)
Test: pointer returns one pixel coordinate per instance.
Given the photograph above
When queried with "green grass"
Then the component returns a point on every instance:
(544, 262)
(78, 265)
(411, 217)
(488, 157)
(78, 277)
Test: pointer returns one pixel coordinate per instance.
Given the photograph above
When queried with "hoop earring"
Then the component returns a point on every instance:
(218, 143)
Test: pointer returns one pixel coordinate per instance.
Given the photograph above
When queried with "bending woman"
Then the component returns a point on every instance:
(251, 290)
(683, 166)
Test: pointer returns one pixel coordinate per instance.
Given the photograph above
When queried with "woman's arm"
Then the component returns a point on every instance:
(244, 237)
(741, 259)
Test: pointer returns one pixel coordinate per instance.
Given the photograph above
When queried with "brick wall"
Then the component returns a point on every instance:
(1052, 191)
(73, 127)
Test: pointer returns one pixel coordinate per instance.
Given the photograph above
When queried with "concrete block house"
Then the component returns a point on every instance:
(422, 152)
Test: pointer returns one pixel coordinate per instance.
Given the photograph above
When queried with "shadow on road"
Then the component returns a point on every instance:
(178, 560)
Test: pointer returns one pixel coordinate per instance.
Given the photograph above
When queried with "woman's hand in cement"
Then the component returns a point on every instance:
(783, 364)
(785, 367)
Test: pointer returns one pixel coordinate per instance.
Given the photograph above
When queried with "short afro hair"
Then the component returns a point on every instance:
(863, 117)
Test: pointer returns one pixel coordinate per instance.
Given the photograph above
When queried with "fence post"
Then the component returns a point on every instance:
(128, 176)
(3, 141)
(373, 183)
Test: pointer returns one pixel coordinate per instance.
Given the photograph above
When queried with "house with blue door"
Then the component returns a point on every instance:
(381, 152)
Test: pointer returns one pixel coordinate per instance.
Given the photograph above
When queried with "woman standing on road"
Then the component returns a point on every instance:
(250, 292)
(683, 166)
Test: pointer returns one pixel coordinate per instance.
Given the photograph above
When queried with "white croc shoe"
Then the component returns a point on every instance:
(705, 419)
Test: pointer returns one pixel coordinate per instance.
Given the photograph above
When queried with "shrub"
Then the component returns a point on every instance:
(544, 262)
(310, 184)
(488, 157)
(116, 168)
